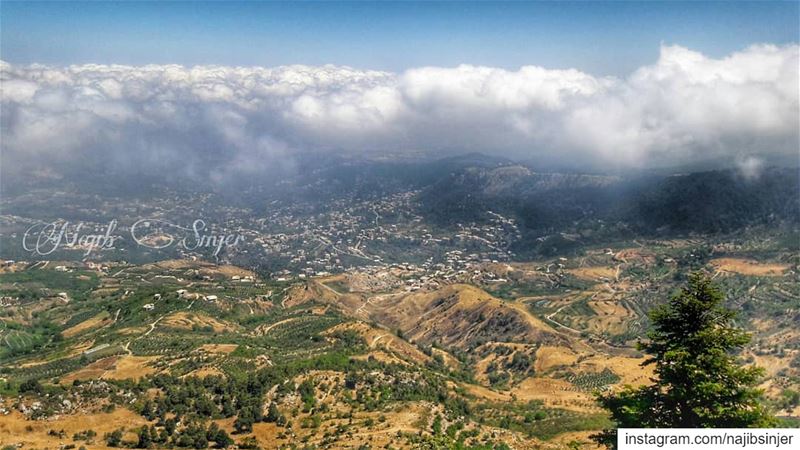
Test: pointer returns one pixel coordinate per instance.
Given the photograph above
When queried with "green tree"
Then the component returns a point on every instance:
(31, 385)
(249, 443)
(698, 382)
(170, 425)
(244, 421)
(144, 438)
(114, 438)
(218, 436)
(272, 413)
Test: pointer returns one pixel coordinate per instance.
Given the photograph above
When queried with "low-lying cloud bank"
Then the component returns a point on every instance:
(233, 121)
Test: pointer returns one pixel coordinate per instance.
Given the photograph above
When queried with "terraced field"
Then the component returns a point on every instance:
(519, 358)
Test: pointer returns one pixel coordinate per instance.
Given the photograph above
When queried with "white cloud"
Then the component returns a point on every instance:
(222, 121)
(750, 167)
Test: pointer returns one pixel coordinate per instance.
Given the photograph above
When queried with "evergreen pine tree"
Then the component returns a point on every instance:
(698, 382)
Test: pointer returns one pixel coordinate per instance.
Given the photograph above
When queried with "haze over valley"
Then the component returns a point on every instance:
(322, 226)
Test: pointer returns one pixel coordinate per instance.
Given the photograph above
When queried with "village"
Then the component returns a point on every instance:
(296, 244)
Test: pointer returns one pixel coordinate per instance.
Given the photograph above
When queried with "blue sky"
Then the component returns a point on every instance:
(599, 38)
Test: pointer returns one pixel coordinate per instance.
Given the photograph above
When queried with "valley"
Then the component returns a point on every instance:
(374, 316)
(505, 353)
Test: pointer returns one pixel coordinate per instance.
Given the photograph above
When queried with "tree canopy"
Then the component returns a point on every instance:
(698, 383)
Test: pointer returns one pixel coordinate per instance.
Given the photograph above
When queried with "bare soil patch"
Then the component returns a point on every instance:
(97, 321)
(16, 429)
(548, 357)
(188, 320)
(748, 267)
(600, 273)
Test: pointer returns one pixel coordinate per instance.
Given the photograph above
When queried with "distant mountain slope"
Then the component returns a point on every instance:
(539, 200)
(707, 202)
(717, 201)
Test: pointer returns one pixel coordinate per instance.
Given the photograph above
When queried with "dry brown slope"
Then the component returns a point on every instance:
(383, 340)
(460, 316)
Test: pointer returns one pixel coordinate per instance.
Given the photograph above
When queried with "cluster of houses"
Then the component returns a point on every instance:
(184, 294)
